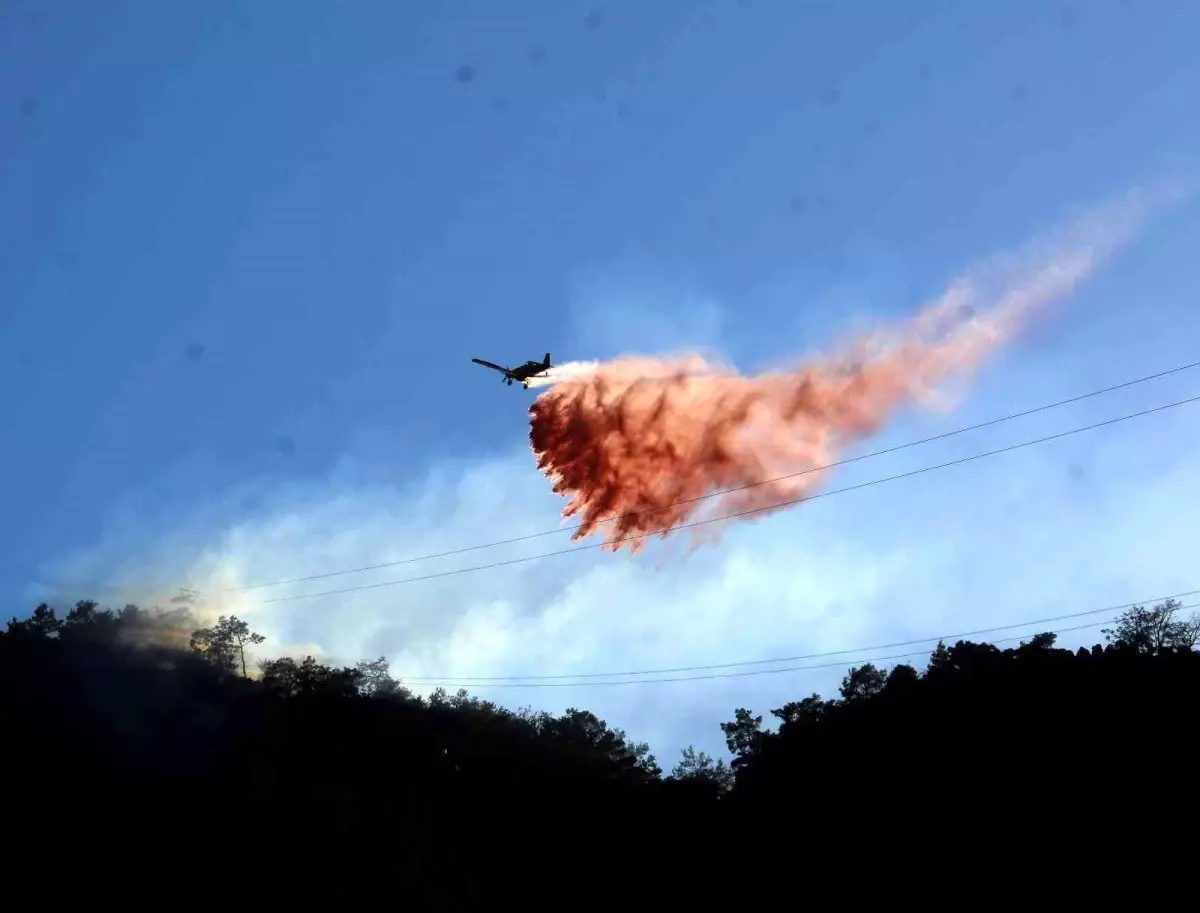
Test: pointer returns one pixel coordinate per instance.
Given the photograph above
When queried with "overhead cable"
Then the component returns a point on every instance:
(716, 494)
(751, 672)
(737, 514)
(791, 659)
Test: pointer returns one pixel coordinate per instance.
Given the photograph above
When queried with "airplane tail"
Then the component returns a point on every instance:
(546, 363)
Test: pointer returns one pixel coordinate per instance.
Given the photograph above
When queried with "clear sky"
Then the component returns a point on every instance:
(247, 250)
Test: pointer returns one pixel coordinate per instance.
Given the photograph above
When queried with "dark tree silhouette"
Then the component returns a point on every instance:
(1043, 641)
(697, 765)
(287, 677)
(902, 679)
(743, 735)
(42, 623)
(375, 680)
(88, 622)
(806, 710)
(863, 682)
(281, 675)
(348, 776)
(1155, 629)
(224, 644)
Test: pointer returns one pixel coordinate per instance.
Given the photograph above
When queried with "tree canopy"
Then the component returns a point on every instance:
(121, 721)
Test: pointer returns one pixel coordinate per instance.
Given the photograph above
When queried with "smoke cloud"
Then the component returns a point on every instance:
(639, 443)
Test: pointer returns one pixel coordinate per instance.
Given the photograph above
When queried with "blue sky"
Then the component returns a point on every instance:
(248, 249)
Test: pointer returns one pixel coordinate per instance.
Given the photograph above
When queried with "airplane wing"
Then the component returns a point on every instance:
(488, 364)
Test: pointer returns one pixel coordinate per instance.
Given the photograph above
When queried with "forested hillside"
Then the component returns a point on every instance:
(117, 739)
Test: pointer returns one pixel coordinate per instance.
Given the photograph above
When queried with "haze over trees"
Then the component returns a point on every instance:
(119, 723)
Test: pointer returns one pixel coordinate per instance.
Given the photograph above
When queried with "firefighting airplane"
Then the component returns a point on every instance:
(521, 373)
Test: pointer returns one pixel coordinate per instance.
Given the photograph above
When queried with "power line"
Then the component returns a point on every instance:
(731, 516)
(726, 491)
(716, 675)
(482, 679)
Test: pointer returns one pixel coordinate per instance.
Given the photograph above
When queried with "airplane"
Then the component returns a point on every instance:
(521, 373)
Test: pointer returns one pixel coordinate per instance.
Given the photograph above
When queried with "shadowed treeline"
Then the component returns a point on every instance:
(342, 778)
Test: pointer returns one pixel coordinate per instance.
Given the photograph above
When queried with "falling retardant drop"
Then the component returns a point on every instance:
(645, 444)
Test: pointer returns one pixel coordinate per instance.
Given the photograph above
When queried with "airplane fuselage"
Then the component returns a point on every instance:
(527, 370)
(521, 373)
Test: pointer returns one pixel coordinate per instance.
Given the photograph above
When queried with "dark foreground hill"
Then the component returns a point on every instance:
(157, 768)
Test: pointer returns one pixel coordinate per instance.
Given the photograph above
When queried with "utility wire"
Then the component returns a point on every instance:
(715, 675)
(716, 494)
(480, 679)
(735, 515)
